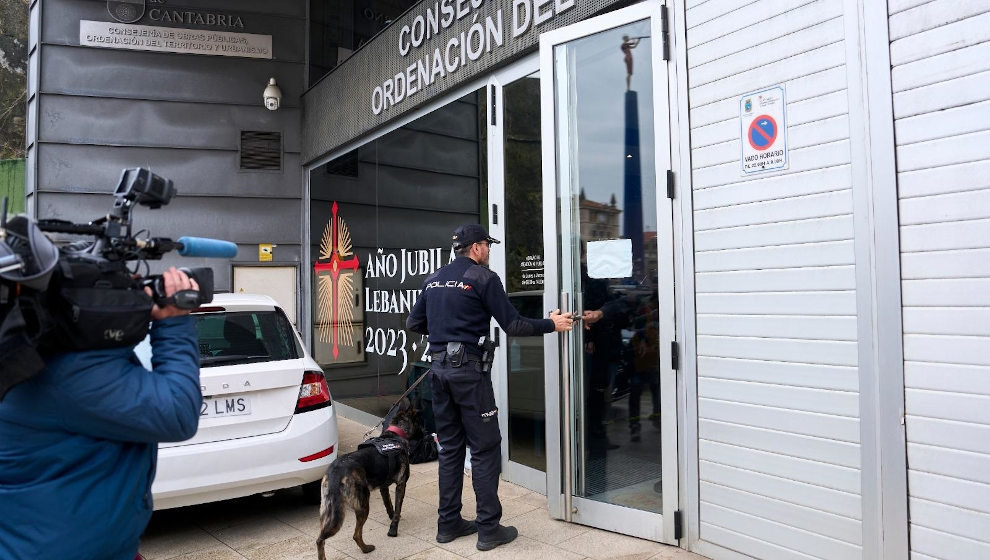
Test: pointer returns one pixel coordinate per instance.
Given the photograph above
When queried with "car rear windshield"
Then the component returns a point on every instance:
(245, 337)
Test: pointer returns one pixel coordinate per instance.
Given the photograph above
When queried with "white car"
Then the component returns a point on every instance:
(267, 420)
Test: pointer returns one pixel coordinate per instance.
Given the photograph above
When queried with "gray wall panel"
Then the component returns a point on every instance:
(97, 169)
(96, 120)
(242, 220)
(163, 76)
(101, 110)
(61, 26)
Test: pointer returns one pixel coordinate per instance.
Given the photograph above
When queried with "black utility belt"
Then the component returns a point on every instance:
(455, 355)
(440, 356)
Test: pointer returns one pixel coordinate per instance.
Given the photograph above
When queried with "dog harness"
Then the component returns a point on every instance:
(390, 447)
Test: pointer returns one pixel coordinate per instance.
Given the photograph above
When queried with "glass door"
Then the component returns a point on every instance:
(610, 258)
(517, 196)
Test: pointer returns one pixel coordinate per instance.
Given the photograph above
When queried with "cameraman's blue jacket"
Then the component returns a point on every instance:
(79, 444)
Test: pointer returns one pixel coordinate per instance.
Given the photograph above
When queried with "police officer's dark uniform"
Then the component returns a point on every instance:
(456, 306)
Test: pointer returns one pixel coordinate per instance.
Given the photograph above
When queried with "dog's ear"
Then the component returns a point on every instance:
(404, 404)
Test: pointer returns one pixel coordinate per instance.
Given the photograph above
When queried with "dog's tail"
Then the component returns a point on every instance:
(331, 508)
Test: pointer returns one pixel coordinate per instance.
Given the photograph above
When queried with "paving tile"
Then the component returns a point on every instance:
(216, 553)
(255, 533)
(508, 491)
(675, 553)
(344, 539)
(415, 517)
(603, 545)
(375, 502)
(424, 468)
(166, 542)
(305, 519)
(535, 498)
(435, 553)
(538, 525)
(417, 479)
(386, 548)
(429, 493)
(512, 509)
(525, 548)
(297, 548)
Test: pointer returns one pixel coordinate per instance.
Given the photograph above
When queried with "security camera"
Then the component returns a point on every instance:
(273, 95)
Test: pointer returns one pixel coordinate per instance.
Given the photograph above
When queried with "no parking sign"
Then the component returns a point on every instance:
(763, 130)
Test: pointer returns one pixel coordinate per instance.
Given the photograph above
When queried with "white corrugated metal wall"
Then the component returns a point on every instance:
(940, 54)
(778, 407)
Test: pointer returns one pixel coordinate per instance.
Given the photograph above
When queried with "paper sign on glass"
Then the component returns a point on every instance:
(610, 259)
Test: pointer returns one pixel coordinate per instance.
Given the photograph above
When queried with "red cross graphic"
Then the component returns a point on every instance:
(334, 267)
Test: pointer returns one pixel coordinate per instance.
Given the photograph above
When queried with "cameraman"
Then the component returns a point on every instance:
(79, 441)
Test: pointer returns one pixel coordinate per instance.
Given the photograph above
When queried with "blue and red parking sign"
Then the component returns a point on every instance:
(763, 131)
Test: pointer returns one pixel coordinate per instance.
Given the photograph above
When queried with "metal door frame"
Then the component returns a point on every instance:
(557, 232)
(515, 473)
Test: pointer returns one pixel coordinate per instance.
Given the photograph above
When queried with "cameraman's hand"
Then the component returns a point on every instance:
(174, 280)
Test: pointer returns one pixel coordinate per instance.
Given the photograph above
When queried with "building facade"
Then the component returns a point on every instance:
(779, 206)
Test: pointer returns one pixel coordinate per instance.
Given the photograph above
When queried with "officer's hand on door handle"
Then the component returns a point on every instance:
(561, 321)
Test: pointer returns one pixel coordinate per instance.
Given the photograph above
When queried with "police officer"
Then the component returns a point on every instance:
(455, 308)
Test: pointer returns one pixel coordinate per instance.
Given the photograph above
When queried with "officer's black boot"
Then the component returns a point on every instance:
(502, 535)
(466, 528)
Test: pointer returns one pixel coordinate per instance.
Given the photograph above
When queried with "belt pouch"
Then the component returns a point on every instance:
(455, 353)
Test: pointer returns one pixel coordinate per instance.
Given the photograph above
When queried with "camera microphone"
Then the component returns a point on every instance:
(205, 247)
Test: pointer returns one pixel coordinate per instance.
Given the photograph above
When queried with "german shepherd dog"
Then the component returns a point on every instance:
(351, 478)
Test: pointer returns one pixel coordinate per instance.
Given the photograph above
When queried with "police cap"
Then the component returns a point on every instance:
(470, 234)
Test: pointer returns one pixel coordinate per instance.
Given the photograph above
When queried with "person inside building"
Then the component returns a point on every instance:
(79, 441)
(606, 313)
(455, 309)
(643, 363)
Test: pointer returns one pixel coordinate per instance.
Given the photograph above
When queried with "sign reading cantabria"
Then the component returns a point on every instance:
(114, 35)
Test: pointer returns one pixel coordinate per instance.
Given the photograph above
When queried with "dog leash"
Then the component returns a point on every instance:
(389, 411)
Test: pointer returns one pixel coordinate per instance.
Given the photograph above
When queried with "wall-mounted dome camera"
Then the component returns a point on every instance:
(273, 95)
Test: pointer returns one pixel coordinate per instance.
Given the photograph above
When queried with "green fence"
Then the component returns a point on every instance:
(12, 184)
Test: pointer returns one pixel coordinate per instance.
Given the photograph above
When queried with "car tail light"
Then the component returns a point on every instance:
(313, 393)
(316, 456)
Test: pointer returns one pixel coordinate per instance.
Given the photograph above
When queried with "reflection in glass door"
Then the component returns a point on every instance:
(614, 258)
(524, 268)
(612, 218)
(517, 190)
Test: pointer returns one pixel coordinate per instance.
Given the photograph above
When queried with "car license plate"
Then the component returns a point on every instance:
(224, 406)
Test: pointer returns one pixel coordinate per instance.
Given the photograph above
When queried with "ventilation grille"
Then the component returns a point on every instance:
(261, 150)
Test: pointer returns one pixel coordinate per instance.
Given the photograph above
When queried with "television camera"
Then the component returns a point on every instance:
(83, 295)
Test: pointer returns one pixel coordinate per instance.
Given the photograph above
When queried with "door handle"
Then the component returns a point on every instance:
(565, 386)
